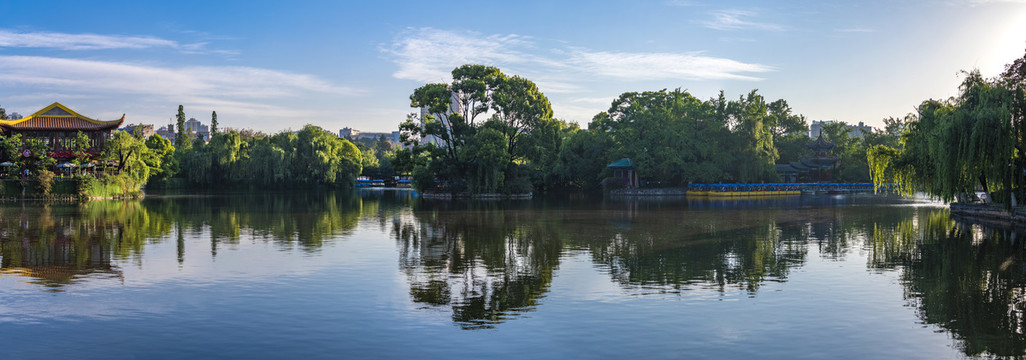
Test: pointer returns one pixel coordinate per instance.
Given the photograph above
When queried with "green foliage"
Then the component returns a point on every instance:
(213, 123)
(11, 147)
(461, 158)
(953, 146)
(45, 185)
(423, 179)
(675, 138)
(181, 141)
(39, 161)
(582, 158)
(129, 153)
(80, 148)
(311, 156)
(488, 160)
(108, 186)
(160, 157)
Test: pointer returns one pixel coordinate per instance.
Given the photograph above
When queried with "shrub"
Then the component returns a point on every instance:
(517, 185)
(45, 185)
(423, 179)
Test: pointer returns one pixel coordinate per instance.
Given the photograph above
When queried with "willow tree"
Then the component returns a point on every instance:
(952, 147)
(752, 128)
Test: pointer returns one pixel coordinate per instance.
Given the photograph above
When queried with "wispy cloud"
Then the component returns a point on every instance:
(242, 82)
(681, 3)
(428, 55)
(738, 20)
(64, 41)
(984, 2)
(655, 66)
(243, 91)
(568, 74)
(856, 30)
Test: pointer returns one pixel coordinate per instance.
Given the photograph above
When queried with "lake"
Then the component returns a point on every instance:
(385, 274)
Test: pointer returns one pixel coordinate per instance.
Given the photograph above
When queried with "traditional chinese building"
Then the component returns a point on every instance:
(820, 167)
(57, 126)
(625, 172)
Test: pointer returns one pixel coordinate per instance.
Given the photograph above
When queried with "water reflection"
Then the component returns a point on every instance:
(487, 263)
(56, 245)
(54, 252)
(968, 279)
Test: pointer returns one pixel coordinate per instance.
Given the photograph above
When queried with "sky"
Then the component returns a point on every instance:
(277, 65)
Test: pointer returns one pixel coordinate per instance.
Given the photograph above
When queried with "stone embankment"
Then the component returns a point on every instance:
(649, 192)
(494, 196)
(990, 214)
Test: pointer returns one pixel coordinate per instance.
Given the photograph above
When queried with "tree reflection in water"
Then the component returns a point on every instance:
(486, 263)
(967, 279)
(57, 245)
(491, 262)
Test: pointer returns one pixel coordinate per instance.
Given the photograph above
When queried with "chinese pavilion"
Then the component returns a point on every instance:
(623, 170)
(57, 126)
(820, 167)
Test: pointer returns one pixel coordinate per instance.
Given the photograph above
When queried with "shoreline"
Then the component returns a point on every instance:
(985, 214)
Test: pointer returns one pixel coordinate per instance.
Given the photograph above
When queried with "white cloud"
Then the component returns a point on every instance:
(680, 3)
(230, 82)
(260, 95)
(856, 30)
(655, 66)
(428, 55)
(601, 100)
(984, 2)
(737, 20)
(569, 75)
(63, 41)
(80, 41)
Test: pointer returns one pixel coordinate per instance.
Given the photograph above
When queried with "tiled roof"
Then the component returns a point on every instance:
(60, 123)
(820, 144)
(622, 163)
(58, 117)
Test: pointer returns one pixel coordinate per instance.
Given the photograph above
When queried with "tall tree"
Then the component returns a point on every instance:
(213, 123)
(3, 114)
(521, 108)
(181, 139)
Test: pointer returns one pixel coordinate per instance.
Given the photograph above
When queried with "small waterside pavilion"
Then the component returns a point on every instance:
(625, 169)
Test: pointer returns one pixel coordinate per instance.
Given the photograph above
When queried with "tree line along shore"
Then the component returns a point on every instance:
(486, 132)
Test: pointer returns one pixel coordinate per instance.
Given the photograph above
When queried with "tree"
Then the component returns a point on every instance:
(128, 152)
(450, 116)
(160, 157)
(954, 146)
(583, 157)
(3, 114)
(520, 108)
(181, 140)
(755, 138)
(39, 160)
(11, 146)
(213, 123)
(80, 146)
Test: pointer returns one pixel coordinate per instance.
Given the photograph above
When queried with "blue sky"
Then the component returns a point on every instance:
(274, 65)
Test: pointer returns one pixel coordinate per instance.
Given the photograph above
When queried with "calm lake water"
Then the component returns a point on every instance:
(387, 275)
